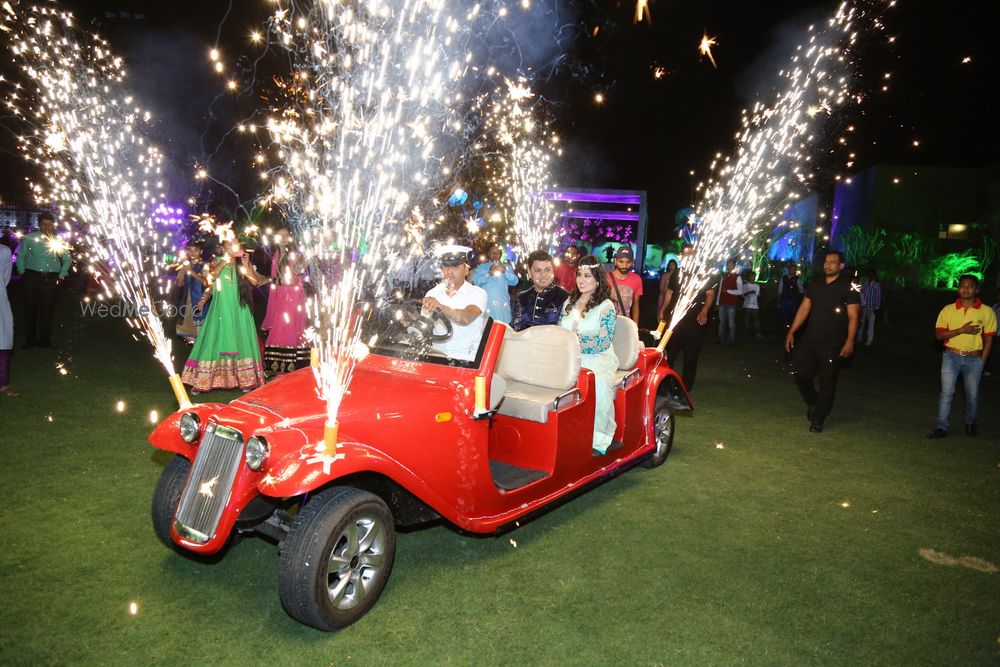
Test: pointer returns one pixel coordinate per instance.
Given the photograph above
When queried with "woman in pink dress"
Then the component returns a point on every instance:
(286, 348)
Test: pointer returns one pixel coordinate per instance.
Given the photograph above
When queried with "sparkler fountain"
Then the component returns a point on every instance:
(374, 81)
(521, 163)
(86, 137)
(772, 157)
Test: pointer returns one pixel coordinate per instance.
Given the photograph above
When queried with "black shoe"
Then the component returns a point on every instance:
(816, 426)
(972, 429)
(28, 344)
(811, 413)
(937, 433)
(47, 345)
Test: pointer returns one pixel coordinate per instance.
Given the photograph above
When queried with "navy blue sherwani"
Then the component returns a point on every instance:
(533, 307)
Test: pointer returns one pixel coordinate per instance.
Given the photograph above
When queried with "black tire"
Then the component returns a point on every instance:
(319, 539)
(166, 495)
(663, 431)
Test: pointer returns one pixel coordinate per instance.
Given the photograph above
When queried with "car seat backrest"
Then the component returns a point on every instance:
(543, 356)
(626, 343)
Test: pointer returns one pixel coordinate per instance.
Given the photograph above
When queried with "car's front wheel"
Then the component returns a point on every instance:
(663, 432)
(337, 558)
(166, 495)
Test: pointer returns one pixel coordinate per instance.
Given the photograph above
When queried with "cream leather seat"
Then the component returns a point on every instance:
(541, 367)
(626, 345)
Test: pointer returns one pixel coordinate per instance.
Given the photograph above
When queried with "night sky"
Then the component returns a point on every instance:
(649, 133)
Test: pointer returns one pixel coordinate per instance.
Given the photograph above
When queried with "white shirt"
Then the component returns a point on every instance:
(750, 293)
(6, 318)
(464, 341)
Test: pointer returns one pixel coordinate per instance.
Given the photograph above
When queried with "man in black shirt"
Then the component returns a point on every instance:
(832, 305)
(689, 334)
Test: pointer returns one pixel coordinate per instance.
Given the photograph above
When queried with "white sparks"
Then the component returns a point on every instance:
(750, 189)
(705, 47)
(358, 134)
(87, 138)
(642, 11)
(207, 488)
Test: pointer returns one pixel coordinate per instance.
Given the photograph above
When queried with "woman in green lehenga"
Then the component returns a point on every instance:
(226, 354)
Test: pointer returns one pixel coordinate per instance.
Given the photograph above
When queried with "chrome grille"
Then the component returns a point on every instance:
(209, 484)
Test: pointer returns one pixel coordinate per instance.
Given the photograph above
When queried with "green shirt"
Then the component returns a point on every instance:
(36, 254)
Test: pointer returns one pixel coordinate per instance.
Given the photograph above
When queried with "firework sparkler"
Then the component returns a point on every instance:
(705, 47)
(522, 149)
(357, 140)
(642, 11)
(85, 135)
(772, 158)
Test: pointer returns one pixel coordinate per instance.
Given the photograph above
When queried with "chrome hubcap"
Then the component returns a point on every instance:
(356, 560)
(662, 427)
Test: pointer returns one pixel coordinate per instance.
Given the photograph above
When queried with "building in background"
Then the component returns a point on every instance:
(921, 226)
(947, 203)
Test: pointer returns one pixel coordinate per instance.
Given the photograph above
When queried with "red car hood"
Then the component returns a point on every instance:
(292, 396)
(373, 394)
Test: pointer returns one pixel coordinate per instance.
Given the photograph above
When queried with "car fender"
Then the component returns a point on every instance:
(312, 467)
(663, 382)
(167, 434)
(672, 388)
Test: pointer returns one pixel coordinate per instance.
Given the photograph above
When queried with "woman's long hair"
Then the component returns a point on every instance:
(603, 290)
(284, 258)
(246, 290)
(243, 286)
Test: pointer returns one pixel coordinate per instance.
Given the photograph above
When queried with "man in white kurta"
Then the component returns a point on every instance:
(459, 301)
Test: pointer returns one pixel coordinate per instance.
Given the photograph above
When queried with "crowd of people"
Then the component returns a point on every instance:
(43, 261)
(212, 300)
(821, 322)
(587, 308)
(216, 314)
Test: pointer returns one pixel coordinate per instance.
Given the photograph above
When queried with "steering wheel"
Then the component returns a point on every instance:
(421, 327)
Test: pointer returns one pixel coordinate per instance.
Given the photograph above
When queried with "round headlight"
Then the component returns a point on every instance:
(256, 452)
(190, 427)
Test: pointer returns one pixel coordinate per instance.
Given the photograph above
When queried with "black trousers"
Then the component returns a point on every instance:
(688, 338)
(39, 303)
(786, 314)
(817, 360)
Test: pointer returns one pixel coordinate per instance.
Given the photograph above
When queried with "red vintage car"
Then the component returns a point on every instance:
(413, 447)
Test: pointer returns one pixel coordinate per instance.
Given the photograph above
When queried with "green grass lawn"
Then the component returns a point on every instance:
(757, 543)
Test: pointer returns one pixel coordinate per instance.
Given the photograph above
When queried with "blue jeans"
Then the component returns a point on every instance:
(866, 328)
(971, 370)
(727, 324)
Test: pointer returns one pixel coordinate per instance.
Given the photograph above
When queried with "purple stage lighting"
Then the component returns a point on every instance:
(593, 197)
(602, 215)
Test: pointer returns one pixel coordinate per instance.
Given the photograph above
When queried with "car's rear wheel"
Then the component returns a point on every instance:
(166, 495)
(663, 433)
(337, 558)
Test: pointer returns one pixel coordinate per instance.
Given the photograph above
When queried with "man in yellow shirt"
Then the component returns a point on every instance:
(967, 328)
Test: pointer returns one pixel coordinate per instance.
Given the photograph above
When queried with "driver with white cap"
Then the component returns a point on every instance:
(461, 302)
